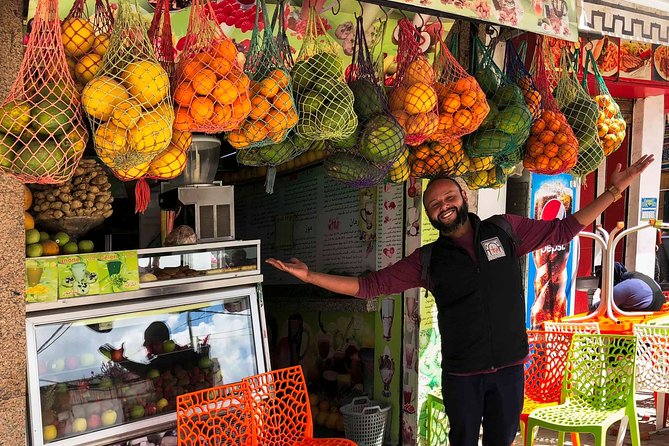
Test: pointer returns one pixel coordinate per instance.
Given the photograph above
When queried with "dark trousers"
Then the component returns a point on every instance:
(494, 399)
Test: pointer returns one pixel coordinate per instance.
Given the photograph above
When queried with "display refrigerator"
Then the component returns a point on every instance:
(103, 369)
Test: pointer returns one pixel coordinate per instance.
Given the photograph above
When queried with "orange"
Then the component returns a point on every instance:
(421, 152)
(222, 115)
(269, 87)
(480, 96)
(553, 125)
(418, 168)
(237, 138)
(548, 115)
(226, 49)
(254, 88)
(480, 110)
(276, 121)
(283, 101)
(418, 124)
(450, 104)
(440, 148)
(441, 89)
(291, 117)
(396, 98)
(529, 163)
(464, 84)
(401, 117)
(445, 122)
(567, 152)
(182, 119)
(204, 81)
(543, 162)
(538, 126)
(546, 136)
(420, 98)
(277, 136)
(241, 107)
(463, 119)
(455, 145)
(191, 68)
(419, 70)
(225, 92)
(184, 94)
(281, 77)
(28, 221)
(433, 165)
(260, 106)
(220, 66)
(255, 131)
(27, 198)
(50, 248)
(551, 150)
(535, 149)
(555, 164)
(468, 98)
(560, 138)
(203, 58)
(202, 109)
(432, 123)
(241, 80)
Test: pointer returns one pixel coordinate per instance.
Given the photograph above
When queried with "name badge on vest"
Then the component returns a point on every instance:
(493, 248)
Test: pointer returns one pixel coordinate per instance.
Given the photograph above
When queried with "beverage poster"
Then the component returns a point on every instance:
(551, 269)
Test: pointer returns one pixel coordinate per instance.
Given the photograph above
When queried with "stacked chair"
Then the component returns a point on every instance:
(572, 327)
(437, 421)
(652, 365)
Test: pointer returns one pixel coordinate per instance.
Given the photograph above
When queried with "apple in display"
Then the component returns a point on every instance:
(94, 421)
(161, 403)
(49, 432)
(79, 425)
(137, 411)
(108, 417)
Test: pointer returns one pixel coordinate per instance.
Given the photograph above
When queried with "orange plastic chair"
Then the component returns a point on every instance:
(219, 415)
(544, 373)
(281, 408)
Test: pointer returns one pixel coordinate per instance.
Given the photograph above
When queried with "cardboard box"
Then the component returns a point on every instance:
(78, 276)
(118, 271)
(41, 280)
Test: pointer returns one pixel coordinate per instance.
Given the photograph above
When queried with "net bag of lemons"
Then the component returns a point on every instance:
(493, 178)
(42, 133)
(582, 113)
(552, 147)
(507, 125)
(211, 92)
(128, 102)
(367, 155)
(324, 101)
(86, 40)
(160, 35)
(611, 126)
(462, 102)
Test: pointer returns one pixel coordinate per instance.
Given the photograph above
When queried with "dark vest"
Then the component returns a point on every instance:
(481, 308)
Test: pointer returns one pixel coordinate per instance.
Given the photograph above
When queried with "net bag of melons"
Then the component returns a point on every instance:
(552, 147)
(128, 102)
(324, 101)
(582, 113)
(507, 125)
(611, 126)
(211, 90)
(42, 133)
(160, 35)
(366, 156)
(86, 41)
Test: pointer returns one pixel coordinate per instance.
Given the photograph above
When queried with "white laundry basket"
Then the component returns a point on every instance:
(365, 421)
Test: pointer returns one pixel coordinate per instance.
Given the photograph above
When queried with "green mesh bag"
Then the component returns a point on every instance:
(378, 140)
(493, 178)
(324, 101)
(507, 126)
(611, 126)
(582, 113)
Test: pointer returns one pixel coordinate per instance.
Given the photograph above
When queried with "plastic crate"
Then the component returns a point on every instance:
(365, 421)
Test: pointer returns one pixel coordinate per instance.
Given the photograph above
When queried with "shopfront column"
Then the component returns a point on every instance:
(12, 248)
(647, 138)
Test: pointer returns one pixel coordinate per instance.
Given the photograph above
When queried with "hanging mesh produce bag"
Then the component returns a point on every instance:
(273, 110)
(432, 159)
(378, 141)
(324, 101)
(582, 113)
(86, 42)
(42, 134)
(400, 169)
(611, 126)
(282, 43)
(160, 35)
(493, 178)
(507, 125)
(211, 89)
(552, 147)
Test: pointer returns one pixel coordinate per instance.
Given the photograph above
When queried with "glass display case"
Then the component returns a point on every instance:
(102, 373)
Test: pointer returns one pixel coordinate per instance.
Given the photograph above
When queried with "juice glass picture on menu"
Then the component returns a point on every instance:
(41, 280)
(78, 276)
(118, 272)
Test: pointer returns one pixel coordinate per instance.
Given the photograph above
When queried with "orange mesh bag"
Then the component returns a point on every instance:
(552, 147)
(86, 42)
(42, 134)
(211, 90)
(432, 159)
(273, 111)
(462, 102)
(160, 35)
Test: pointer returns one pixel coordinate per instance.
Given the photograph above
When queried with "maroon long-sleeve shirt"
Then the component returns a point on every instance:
(406, 273)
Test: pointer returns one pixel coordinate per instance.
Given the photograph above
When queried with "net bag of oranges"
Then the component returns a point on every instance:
(611, 126)
(160, 35)
(85, 41)
(211, 89)
(128, 102)
(507, 125)
(273, 111)
(378, 141)
(552, 147)
(413, 98)
(42, 134)
(434, 158)
(324, 101)
(582, 113)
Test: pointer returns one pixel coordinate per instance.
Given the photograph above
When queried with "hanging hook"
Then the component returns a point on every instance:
(422, 21)
(338, 8)
(385, 13)
(362, 11)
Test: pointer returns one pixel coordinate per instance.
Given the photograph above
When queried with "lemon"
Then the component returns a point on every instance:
(132, 173)
(101, 44)
(126, 113)
(101, 95)
(147, 81)
(87, 67)
(78, 36)
(109, 137)
(152, 133)
(169, 163)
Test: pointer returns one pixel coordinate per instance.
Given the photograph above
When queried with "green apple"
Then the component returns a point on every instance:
(61, 238)
(86, 246)
(70, 248)
(169, 346)
(79, 425)
(34, 250)
(49, 432)
(32, 236)
(108, 417)
(43, 236)
(161, 404)
(137, 411)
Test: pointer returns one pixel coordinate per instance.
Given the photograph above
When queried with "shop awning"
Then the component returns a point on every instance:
(643, 20)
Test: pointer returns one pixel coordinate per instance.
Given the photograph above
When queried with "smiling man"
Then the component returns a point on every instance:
(474, 273)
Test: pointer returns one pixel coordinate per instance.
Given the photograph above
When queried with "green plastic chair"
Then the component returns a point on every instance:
(437, 421)
(597, 391)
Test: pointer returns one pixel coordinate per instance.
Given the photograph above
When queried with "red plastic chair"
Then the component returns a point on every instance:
(544, 373)
(219, 415)
(282, 411)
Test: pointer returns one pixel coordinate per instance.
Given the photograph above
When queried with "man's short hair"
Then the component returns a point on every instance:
(442, 177)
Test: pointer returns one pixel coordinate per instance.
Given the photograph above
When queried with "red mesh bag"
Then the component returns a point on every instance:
(160, 35)
(211, 90)
(42, 134)
(552, 147)
(462, 102)
(85, 41)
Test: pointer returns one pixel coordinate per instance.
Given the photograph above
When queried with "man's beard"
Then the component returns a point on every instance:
(461, 216)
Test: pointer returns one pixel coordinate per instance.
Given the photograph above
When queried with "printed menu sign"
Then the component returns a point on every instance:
(41, 280)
